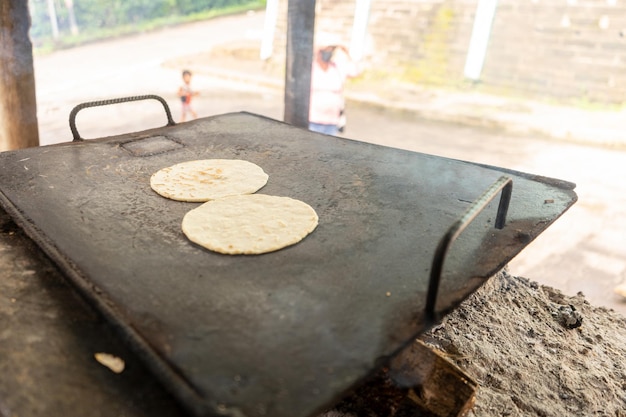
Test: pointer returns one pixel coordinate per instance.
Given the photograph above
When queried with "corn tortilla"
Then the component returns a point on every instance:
(249, 224)
(208, 179)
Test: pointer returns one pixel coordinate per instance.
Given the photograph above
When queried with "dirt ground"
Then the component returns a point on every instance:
(533, 352)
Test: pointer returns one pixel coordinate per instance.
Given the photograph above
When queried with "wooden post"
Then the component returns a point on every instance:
(18, 104)
(300, 32)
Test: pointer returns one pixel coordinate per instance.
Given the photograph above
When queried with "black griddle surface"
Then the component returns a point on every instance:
(283, 334)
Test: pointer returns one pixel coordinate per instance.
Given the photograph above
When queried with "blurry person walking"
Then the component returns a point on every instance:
(332, 65)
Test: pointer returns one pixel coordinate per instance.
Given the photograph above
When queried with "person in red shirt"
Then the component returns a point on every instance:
(185, 93)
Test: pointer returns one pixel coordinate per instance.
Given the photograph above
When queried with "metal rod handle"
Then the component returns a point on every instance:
(506, 185)
(75, 110)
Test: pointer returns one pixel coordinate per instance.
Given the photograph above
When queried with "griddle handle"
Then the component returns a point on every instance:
(75, 110)
(506, 185)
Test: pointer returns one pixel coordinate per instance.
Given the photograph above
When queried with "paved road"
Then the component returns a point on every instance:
(583, 251)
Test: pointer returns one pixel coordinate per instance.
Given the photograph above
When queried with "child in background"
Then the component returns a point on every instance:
(186, 93)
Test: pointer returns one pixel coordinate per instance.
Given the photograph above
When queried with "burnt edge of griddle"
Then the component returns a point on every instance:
(189, 396)
(126, 145)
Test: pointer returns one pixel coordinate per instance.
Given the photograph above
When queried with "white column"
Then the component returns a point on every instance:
(53, 19)
(479, 41)
(359, 29)
(269, 29)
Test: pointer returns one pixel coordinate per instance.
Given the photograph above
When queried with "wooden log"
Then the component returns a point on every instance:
(419, 381)
(434, 383)
(18, 104)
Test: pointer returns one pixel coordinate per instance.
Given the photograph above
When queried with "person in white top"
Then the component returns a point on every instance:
(328, 77)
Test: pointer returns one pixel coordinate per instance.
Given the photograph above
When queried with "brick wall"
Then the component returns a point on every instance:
(421, 41)
(567, 50)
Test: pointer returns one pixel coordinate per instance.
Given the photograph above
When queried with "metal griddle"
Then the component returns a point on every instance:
(284, 334)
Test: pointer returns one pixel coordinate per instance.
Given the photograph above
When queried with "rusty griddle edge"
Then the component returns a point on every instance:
(188, 396)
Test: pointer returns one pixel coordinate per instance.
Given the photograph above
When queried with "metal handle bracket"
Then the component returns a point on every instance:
(75, 110)
(505, 184)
